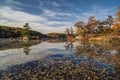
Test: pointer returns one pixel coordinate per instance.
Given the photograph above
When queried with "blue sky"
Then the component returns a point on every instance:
(53, 15)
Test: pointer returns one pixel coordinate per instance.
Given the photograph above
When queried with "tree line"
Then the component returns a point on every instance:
(93, 27)
(15, 32)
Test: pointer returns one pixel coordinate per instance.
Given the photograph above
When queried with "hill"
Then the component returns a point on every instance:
(15, 32)
(56, 35)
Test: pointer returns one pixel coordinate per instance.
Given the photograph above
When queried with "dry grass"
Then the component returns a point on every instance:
(98, 39)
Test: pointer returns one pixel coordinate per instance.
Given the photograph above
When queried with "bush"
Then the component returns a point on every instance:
(115, 40)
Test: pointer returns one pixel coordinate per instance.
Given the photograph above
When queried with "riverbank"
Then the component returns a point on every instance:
(108, 38)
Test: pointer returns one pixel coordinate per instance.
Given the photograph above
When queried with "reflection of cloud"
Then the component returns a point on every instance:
(16, 56)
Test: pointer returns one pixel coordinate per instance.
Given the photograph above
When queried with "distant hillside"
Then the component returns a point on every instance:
(14, 32)
(56, 35)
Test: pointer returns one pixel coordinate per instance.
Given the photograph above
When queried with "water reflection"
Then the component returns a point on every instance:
(69, 46)
(27, 44)
(93, 50)
(107, 54)
(11, 55)
(26, 48)
(55, 40)
(48, 61)
(62, 67)
(6, 44)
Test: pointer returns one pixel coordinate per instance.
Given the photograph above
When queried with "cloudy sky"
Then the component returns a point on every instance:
(53, 15)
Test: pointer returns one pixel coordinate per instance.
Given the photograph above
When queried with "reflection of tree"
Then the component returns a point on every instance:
(69, 46)
(94, 51)
(85, 50)
(100, 53)
(26, 45)
(26, 48)
(55, 40)
(116, 60)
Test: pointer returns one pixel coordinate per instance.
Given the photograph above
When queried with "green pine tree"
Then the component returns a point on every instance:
(26, 30)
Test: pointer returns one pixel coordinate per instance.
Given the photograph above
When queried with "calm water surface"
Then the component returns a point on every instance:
(59, 60)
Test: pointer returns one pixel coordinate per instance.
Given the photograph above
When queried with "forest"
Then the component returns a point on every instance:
(96, 30)
(16, 32)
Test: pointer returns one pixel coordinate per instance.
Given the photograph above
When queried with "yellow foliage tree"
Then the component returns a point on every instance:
(116, 25)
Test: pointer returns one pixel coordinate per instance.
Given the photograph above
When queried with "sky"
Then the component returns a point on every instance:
(53, 15)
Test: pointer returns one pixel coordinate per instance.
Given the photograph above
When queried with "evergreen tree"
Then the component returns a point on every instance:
(26, 30)
(109, 21)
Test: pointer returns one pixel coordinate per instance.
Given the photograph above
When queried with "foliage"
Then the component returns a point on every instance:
(91, 24)
(8, 32)
(100, 27)
(116, 25)
(83, 28)
(56, 35)
(80, 27)
(69, 31)
(115, 40)
(95, 27)
(15, 32)
(26, 30)
(109, 21)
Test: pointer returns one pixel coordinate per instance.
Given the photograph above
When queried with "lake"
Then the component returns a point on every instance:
(59, 60)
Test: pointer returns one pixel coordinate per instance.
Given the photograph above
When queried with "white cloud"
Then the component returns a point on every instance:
(3, 21)
(51, 13)
(100, 13)
(45, 29)
(19, 16)
(55, 4)
(12, 17)
(12, 2)
(41, 23)
(58, 23)
(47, 3)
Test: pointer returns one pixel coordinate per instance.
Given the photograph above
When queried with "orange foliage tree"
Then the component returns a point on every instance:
(116, 25)
(70, 34)
(91, 24)
(80, 27)
(84, 29)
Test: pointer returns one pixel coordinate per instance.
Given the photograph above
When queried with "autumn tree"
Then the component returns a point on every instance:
(80, 27)
(81, 30)
(84, 29)
(100, 27)
(117, 20)
(70, 34)
(91, 23)
(116, 25)
(69, 31)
